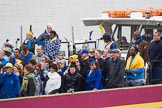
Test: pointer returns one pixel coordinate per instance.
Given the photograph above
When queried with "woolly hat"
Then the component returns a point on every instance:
(84, 51)
(29, 33)
(49, 25)
(106, 36)
(74, 57)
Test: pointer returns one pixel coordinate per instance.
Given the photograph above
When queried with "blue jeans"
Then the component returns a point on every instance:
(138, 82)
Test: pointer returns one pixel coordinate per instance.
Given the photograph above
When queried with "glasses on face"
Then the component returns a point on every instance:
(77, 61)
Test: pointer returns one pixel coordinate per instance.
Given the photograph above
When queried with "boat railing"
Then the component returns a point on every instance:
(151, 79)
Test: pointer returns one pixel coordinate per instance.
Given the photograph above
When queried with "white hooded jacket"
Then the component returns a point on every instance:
(53, 83)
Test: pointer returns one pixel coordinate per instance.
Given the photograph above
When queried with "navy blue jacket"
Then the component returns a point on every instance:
(155, 52)
(42, 39)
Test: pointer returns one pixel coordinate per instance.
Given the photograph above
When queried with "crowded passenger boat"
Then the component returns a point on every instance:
(39, 68)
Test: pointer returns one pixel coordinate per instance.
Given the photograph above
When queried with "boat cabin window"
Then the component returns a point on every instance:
(122, 36)
(148, 31)
(127, 34)
(122, 31)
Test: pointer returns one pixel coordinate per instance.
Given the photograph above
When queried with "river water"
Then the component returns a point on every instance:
(63, 14)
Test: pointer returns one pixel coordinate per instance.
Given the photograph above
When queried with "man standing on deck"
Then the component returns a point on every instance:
(52, 47)
(134, 68)
(44, 36)
(139, 43)
(102, 66)
(85, 67)
(40, 55)
(148, 35)
(106, 54)
(155, 58)
(116, 68)
(108, 41)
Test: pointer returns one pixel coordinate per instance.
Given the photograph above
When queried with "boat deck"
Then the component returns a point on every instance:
(149, 95)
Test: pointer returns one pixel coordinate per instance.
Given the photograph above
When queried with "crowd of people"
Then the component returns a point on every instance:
(25, 72)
